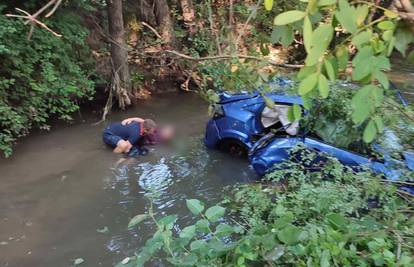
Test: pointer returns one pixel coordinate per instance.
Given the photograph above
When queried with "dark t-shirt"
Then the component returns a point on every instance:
(130, 132)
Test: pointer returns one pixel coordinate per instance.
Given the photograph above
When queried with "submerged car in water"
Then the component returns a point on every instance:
(243, 124)
(239, 120)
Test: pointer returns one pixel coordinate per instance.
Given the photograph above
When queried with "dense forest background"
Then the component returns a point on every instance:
(58, 55)
(118, 51)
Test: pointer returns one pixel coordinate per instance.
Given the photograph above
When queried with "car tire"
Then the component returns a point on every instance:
(234, 147)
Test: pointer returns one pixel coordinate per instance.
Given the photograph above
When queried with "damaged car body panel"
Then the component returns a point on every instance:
(243, 124)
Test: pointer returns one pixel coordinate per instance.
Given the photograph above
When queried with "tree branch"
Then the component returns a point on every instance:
(221, 57)
(32, 19)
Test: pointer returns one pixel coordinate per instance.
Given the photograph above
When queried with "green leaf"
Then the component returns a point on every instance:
(282, 34)
(382, 79)
(342, 56)
(337, 220)
(361, 104)
(404, 37)
(346, 15)
(321, 39)
(370, 132)
(391, 46)
(390, 14)
(78, 261)
(168, 221)
(223, 230)
(362, 38)
(307, 84)
(264, 49)
(325, 259)
(379, 123)
(386, 25)
(289, 17)
(203, 225)
(269, 102)
(361, 13)
(387, 35)
(268, 4)
(306, 71)
(215, 213)
(363, 63)
(307, 33)
(329, 70)
(275, 253)
(137, 219)
(195, 206)
(198, 244)
(323, 86)
(188, 232)
(290, 115)
(410, 57)
(326, 2)
(297, 112)
(290, 235)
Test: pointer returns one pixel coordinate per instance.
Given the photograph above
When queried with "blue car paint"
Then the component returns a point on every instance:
(266, 158)
(241, 121)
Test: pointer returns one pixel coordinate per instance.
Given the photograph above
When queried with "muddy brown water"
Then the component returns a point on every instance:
(61, 186)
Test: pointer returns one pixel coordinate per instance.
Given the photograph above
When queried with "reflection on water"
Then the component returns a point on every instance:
(166, 178)
(60, 187)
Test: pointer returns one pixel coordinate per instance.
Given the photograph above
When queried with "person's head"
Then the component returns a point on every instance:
(149, 126)
(166, 133)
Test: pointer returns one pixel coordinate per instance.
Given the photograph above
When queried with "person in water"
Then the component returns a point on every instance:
(162, 134)
(128, 135)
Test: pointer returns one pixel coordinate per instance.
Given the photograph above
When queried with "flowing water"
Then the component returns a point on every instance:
(60, 187)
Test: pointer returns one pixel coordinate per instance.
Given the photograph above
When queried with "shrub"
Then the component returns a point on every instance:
(327, 215)
(42, 78)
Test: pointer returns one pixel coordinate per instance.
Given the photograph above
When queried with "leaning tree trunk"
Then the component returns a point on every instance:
(121, 85)
(189, 15)
(165, 23)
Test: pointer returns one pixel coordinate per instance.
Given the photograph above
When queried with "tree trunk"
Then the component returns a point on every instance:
(121, 85)
(165, 23)
(188, 15)
(146, 11)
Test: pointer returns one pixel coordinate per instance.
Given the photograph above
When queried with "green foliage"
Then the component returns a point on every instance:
(355, 25)
(43, 78)
(304, 215)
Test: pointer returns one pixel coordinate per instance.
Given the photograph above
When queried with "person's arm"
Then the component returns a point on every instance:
(134, 134)
(131, 120)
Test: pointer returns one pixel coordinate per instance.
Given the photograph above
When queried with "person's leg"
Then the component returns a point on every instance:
(114, 141)
(122, 147)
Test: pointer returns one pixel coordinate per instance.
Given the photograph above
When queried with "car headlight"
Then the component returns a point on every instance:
(218, 111)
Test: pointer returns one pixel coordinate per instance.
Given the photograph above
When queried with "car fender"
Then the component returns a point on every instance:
(238, 135)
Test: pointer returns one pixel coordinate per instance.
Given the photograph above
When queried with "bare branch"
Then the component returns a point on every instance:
(32, 19)
(221, 57)
(152, 29)
(58, 2)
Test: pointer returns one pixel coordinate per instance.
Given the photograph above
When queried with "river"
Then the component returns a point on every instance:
(60, 187)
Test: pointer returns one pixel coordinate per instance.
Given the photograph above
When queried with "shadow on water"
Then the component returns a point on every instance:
(60, 187)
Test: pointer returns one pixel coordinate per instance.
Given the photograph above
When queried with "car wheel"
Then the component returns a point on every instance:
(233, 147)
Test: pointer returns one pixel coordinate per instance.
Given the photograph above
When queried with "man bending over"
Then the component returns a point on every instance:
(122, 137)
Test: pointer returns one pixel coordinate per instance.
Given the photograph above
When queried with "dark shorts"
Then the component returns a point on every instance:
(110, 139)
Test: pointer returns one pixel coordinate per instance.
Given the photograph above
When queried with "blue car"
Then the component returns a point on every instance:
(242, 125)
(237, 121)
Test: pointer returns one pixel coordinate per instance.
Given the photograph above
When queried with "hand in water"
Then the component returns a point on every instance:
(138, 151)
